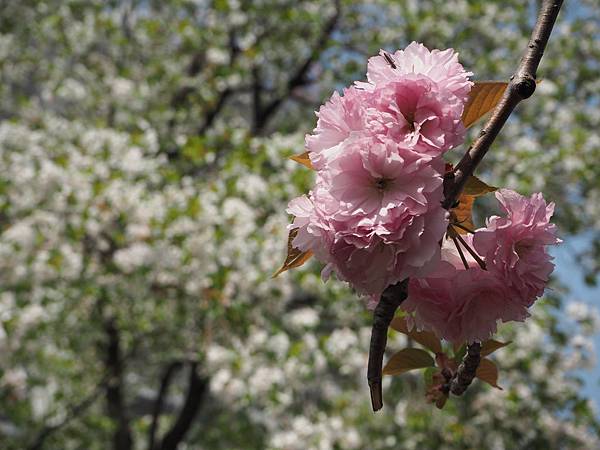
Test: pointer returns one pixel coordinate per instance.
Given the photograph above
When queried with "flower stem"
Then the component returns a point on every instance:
(472, 252)
(460, 252)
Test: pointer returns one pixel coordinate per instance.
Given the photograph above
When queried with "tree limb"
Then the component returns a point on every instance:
(122, 439)
(522, 85)
(197, 388)
(158, 404)
(298, 78)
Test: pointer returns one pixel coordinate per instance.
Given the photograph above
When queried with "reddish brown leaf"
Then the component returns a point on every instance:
(408, 359)
(295, 257)
(425, 338)
(488, 372)
(303, 159)
(490, 346)
(463, 213)
(484, 96)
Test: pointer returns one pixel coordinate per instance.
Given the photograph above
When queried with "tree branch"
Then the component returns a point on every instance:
(158, 404)
(391, 298)
(122, 439)
(196, 390)
(467, 370)
(522, 85)
(299, 77)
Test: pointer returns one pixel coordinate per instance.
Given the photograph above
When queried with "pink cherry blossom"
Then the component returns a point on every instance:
(374, 216)
(440, 66)
(456, 304)
(465, 304)
(414, 114)
(420, 108)
(514, 246)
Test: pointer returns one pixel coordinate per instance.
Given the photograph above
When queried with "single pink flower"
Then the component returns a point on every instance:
(374, 216)
(464, 304)
(458, 304)
(412, 113)
(514, 246)
(418, 105)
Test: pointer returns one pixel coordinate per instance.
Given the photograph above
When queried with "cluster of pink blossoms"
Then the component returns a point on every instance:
(375, 217)
(464, 305)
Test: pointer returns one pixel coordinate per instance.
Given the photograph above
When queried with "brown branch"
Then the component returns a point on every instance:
(391, 298)
(522, 85)
(197, 388)
(170, 372)
(467, 370)
(299, 78)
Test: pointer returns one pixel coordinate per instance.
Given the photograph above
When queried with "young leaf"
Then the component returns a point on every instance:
(490, 346)
(425, 338)
(408, 359)
(484, 96)
(488, 372)
(463, 213)
(303, 159)
(295, 257)
(475, 187)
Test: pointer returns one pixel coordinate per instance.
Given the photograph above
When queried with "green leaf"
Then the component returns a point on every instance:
(488, 372)
(408, 359)
(490, 346)
(425, 338)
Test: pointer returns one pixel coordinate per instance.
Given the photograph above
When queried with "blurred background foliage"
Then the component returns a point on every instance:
(143, 184)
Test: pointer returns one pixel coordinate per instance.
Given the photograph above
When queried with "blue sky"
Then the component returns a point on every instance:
(570, 274)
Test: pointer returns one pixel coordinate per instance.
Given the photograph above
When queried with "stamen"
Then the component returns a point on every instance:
(382, 183)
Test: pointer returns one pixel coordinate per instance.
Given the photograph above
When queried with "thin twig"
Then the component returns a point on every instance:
(521, 86)
(72, 412)
(299, 77)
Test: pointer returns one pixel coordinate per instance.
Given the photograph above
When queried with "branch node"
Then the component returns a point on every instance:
(525, 86)
(467, 370)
